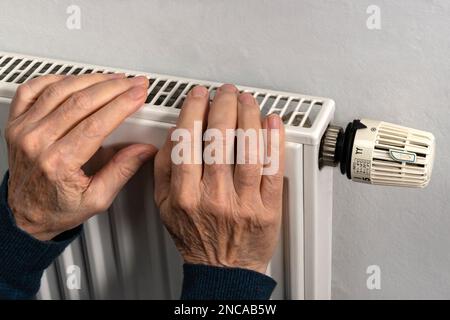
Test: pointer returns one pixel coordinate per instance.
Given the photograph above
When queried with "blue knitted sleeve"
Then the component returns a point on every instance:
(23, 258)
(203, 282)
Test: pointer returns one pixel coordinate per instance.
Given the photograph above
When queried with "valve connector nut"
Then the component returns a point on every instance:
(329, 142)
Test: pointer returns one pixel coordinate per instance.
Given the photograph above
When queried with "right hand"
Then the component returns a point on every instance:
(56, 124)
(222, 215)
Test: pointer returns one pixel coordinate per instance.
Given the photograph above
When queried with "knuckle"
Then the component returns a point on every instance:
(23, 91)
(218, 170)
(48, 164)
(64, 111)
(255, 217)
(251, 177)
(92, 127)
(219, 205)
(52, 92)
(10, 133)
(184, 201)
(267, 221)
(81, 100)
(28, 144)
(246, 216)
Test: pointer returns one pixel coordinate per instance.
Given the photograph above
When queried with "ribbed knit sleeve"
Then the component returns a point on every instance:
(203, 282)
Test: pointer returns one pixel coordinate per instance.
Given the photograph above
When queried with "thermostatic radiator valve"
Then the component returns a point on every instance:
(381, 153)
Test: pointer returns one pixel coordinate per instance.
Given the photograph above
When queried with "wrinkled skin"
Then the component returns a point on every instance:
(218, 214)
(226, 215)
(56, 124)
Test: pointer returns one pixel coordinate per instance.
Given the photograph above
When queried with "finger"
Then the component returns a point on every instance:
(247, 172)
(273, 173)
(162, 171)
(222, 116)
(56, 93)
(82, 104)
(107, 183)
(28, 92)
(86, 138)
(187, 171)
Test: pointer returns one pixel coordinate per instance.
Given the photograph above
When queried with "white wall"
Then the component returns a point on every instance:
(400, 73)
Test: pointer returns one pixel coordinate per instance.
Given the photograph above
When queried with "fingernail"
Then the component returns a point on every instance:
(246, 98)
(199, 92)
(137, 92)
(274, 121)
(115, 75)
(228, 88)
(139, 81)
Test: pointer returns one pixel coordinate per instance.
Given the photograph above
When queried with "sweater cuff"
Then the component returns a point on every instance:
(23, 257)
(202, 282)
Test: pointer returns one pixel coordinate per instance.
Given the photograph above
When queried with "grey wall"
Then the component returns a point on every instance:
(400, 73)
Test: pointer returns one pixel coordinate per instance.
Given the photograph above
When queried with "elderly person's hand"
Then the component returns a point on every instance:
(56, 124)
(222, 214)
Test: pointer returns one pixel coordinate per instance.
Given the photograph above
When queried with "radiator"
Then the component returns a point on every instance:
(126, 253)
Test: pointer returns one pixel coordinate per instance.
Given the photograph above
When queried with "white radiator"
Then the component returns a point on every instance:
(126, 253)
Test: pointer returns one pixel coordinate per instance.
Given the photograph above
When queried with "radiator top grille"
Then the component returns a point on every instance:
(165, 92)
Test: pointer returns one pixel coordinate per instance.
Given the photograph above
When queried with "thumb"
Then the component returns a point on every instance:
(107, 182)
